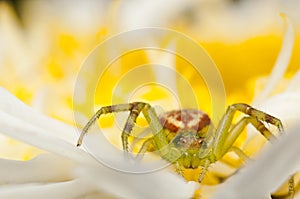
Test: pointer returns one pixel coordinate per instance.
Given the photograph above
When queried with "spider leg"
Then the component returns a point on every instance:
(240, 153)
(243, 157)
(101, 111)
(134, 108)
(131, 120)
(238, 128)
(160, 141)
(178, 169)
(146, 145)
(159, 137)
(259, 115)
(141, 137)
(225, 136)
(291, 182)
(203, 171)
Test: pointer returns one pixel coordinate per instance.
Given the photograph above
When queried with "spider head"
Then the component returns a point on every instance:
(188, 140)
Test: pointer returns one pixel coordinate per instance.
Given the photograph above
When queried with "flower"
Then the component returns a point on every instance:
(49, 57)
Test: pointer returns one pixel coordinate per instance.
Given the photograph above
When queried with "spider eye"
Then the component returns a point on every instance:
(182, 140)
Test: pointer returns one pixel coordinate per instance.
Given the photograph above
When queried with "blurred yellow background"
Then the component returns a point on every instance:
(43, 44)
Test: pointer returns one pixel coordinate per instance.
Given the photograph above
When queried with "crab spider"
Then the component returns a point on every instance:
(183, 138)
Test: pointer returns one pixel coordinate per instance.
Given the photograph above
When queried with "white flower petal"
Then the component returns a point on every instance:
(13, 106)
(284, 106)
(143, 13)
(40, 138)
(282, 62)
(43, 168)
(294, 83)
(143, 176)
(61, 190)
(159, 184)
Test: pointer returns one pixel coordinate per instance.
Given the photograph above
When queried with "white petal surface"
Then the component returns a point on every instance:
(158, 185)
(38, 137)
(143, 13)
(61, 190)
(43, 168)
(281, 64)
(11, 105)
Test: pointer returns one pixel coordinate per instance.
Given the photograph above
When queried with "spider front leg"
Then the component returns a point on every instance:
(134, 108)
(102, 111)
(131, 120)
(159, 138)
(226, 134)
(238, 128)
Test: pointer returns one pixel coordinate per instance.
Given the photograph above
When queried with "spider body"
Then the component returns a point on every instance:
(186, 131)
(184, 137)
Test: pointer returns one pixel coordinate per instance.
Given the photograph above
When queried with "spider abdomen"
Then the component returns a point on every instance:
(185, 120)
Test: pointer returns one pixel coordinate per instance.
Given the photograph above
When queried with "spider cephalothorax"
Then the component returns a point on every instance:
(184, 137)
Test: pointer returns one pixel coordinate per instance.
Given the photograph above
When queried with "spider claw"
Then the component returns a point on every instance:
(138, 157)
(281, 129)
(126, 155)
(79, 142)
